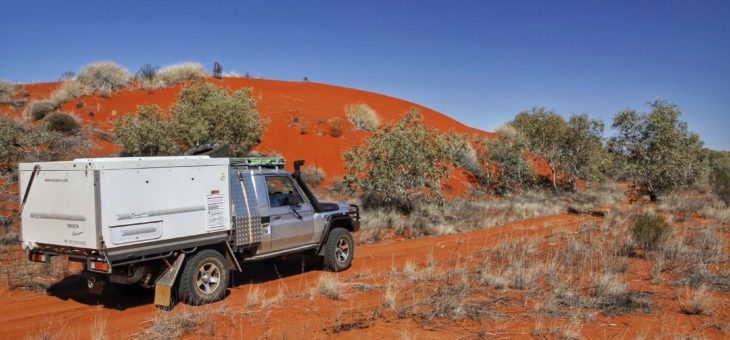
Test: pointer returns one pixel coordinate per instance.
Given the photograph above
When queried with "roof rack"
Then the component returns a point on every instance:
(264, 162)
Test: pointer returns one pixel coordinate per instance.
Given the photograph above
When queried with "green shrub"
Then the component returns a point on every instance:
(173, 74)
(313, 175)
(9, 133)
(104, 77)
(38, 109)
(459, 150)
(720, 176)
(68, 90)
(362, 117)
(146, 133)
(7, 89)
(649, 231)
(62, 122)
(400, 166)
(336, 126)
(508, 170)
(206, 113)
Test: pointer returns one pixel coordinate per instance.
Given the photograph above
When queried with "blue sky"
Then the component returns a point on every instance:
(480, 62)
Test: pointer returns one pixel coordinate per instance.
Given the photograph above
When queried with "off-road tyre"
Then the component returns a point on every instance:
(204, 278)
(339, 250)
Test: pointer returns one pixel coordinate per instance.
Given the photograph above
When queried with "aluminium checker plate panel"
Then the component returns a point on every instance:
(246, 218)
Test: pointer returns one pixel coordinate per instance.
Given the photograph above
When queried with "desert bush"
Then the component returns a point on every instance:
(573, 148)
(362, 117)
(336, 126)
(459, 150)
(38, 109)
(40, 144)
(146, 76)
(146, 133)
(720, 176)
(659, 152)
(649, 231)
(205, 113)
(68, 90)
(508, 170)
(7, 89)
(62, 122)
(10, 131)
(104, 77)
(400, 166)
(174, 74)
(67, 75)
(313, 175)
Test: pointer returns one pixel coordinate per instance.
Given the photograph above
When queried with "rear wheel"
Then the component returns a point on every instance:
(204, 278)
(339, 250)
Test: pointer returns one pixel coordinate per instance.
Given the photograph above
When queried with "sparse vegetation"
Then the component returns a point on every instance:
(329, 286)
(177, 73)
(104, 77)
(656, 150)
(7, 89)
(146, 133)
(147, 76)
(62, 122)
(313, 175)
(38, 109)
(9, 134)
(508, 169)
(649, 231)
(401, 166)
(68, 90)
(336, 127)
(205, 113)
(362, 117)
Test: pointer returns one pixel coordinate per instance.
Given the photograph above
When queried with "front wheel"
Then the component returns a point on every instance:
(204, 278)
(339, 250)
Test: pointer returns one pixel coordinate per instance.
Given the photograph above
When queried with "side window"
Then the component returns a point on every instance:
(280, 187)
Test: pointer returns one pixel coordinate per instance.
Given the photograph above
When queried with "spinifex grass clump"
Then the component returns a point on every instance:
(649, 231)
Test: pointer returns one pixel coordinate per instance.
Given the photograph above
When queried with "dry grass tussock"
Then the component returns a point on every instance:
(362, 117)
(329, 285)
(176, 324)
(177, 73)
(687, 203)
(462, 215)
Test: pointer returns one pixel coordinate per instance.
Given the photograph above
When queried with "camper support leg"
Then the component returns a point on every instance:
(163, 286)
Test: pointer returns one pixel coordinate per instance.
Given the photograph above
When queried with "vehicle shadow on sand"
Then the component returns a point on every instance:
(114, 296)
(274, 269)
(122, 297)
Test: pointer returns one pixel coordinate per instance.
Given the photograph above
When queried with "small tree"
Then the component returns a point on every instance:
(217, 70)
(147, 73)
(146, 133)
(399, 166)
(659, 152)
(205, 113)
(720, 175)
(573, 149)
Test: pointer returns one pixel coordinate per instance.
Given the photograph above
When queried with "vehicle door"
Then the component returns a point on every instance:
(292, 217)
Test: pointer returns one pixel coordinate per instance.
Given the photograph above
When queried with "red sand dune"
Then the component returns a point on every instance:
(280, 102)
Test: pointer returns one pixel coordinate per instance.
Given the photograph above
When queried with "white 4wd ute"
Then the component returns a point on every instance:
(178, 224)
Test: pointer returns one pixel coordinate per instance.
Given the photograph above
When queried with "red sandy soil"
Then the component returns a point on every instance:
(313, 104)
(67, 311)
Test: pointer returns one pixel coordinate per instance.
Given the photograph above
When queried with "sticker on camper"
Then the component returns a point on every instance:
(214, 211)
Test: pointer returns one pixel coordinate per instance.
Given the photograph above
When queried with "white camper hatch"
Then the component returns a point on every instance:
(124, 203)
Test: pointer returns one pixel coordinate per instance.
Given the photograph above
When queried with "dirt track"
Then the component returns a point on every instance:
(68, 310)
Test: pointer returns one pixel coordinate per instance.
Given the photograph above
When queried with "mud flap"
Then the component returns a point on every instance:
(164, 285)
